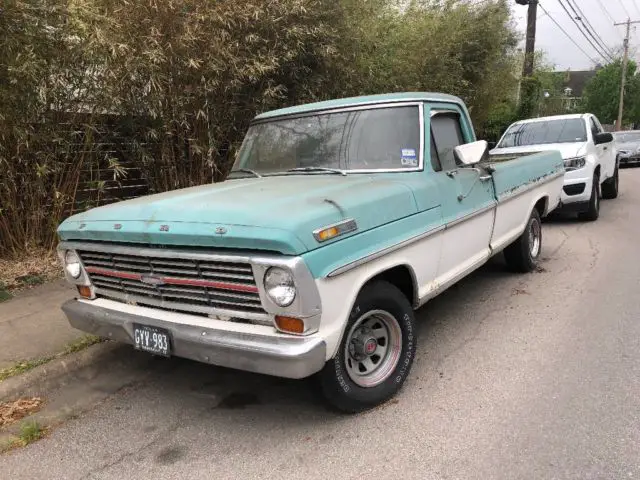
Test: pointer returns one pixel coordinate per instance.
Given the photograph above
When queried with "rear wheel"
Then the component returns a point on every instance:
(610, 186)
(376, 352)
(523, 254)
(593, 211)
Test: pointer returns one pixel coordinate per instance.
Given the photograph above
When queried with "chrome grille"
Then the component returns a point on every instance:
(191, 285)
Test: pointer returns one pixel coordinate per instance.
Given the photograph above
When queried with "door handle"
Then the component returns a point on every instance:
(485, 178)
(606, 148)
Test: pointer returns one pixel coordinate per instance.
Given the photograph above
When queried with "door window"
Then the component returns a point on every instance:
(446, 134)
(594, 128)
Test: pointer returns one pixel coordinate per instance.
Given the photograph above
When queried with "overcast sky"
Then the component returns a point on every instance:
(560, 50)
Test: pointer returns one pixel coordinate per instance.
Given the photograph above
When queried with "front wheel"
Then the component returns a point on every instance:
(610, 186)
(593, 210)
(523, 254)
(376, 351)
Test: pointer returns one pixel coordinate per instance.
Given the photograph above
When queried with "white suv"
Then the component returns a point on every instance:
(588, 152)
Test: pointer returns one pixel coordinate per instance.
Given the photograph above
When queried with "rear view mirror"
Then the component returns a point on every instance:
(471, 153)
(604, 137)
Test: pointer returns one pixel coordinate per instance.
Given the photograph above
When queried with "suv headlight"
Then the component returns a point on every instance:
(280, 287)
(72, 264)
(575, 163)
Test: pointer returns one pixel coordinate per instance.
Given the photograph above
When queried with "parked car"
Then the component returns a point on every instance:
(588, 151)
(338, 220)
(628, 146)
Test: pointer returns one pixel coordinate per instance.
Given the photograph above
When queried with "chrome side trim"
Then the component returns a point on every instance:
(384, 251)
(345, 226)
(469, 216)
(409, 241)
(526, 188)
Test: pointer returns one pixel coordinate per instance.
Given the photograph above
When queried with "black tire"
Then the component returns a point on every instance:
(593, 212)
(523, 254)
(610, 186)
(338, 386)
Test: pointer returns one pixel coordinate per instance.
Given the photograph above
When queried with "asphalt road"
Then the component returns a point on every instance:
(517, 377)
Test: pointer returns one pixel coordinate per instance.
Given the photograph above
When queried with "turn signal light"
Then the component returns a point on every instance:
(289, 324)
(328, 233)
(84, 291)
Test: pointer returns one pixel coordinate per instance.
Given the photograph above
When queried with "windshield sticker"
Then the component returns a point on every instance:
(409, 158)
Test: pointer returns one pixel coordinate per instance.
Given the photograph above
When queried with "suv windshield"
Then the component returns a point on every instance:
(378, 138)
(566, 130)
(627, 137)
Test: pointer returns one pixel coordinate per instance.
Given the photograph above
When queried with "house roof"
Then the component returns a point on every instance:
(577, 80)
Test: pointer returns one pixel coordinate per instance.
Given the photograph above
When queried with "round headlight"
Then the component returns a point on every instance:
(72, 264)
(280, 286)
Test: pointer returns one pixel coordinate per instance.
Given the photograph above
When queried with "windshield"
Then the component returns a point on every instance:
(628, 137)
(379, 138)
(566, 130)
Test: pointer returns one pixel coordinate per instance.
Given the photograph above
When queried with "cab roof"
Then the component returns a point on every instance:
(362, 100)
(554, 117)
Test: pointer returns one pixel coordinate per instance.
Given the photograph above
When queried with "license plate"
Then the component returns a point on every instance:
(152, 339)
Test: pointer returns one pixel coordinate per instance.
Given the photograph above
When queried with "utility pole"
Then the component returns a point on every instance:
(527, 88)
(625, 62)
(530, 45)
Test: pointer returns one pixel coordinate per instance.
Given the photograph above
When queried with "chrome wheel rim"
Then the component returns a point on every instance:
(372, 350)
(535, 237)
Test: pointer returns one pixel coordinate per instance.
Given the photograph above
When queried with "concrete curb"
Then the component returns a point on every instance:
(52, 375)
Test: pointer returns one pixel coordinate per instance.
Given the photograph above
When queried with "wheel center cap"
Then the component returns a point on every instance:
(363, 346)
(370, 346)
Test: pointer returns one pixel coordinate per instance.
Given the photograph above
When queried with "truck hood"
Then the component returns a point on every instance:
(567, 150)
(277, 213)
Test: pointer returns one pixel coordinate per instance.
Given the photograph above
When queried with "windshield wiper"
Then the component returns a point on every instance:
(246, 170)
(318, 169)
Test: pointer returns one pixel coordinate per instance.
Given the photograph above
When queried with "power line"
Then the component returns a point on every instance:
(566, 34)
(588, 27)
(624, 8)
(582, 32)
(606, 12)
(635, 4)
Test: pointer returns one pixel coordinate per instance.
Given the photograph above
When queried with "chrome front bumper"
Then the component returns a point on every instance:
(290, 357)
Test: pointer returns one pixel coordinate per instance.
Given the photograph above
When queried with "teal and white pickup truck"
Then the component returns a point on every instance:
(339, 219)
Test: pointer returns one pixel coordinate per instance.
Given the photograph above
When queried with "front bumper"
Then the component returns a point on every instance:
(577, 181)
(628, 160)
(278, 355)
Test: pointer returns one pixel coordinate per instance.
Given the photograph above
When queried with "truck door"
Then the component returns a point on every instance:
(605, 151)
(468, 202)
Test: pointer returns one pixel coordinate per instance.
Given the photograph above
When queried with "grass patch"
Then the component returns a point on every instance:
(22, 367)
(4, 295)
(30, 431)
(80, 344)
(72, 347)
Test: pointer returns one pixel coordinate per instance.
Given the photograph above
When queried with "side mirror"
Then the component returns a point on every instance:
(471, 153)
(604, 137)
